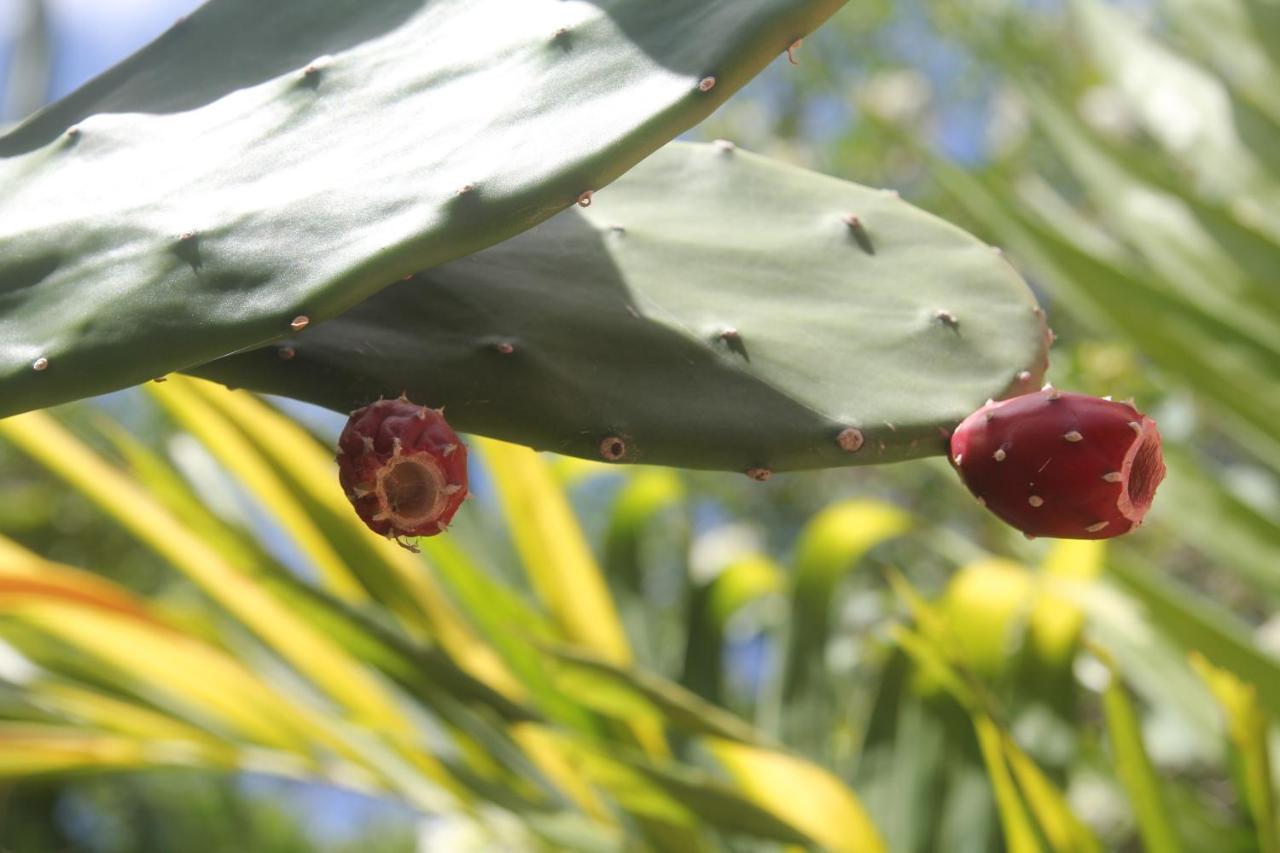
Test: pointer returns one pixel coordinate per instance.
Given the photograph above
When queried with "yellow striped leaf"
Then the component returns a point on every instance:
(310, 471)
(801, 793)
(554, 550)
(312, 654)
(238, 456)
(1134, 767)
(1247, 727)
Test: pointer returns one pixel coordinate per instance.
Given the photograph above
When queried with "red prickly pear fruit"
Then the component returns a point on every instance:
(1065, 465)
(402, 467)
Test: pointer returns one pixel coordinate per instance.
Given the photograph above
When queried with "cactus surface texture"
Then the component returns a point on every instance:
(1065, 465)
(711, 309)
(262, 167)
(402, 467)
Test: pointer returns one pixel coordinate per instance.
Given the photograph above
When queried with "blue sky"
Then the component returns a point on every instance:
(89, 36)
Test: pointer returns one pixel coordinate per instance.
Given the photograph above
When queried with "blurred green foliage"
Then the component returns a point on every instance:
(669, 663)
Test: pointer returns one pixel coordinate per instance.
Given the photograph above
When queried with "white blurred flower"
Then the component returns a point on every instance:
(1010, 122)
(713, 551)
(496, 831)
(899, 96)
(14, 666)
(1105, 110)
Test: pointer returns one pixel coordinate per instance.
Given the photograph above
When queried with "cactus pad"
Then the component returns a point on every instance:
(264, 166)
(711, 309)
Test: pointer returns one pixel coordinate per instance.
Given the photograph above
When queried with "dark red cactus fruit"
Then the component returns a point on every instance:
(402, 467)
(1064, 465)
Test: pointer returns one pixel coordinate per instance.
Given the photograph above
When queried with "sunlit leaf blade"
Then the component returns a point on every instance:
(1152, 664)
(1019, 831)
(423, 670)
(645, 546)
(829, 547)
(399, 579)
(554, 551)
(1135, 770)
(239, 458)
(161, 480)
(987, 605)
(1020, 834)
(732, 810)
(96, 709)
(801, 793)
(1030, 804)
(745, 579)
(200, 683)
(928, 616)
(642, 692)
(1063, 830)
(542, 745)
(27, 750)
(908, 755)
(998, 751)
(196, 681)
(1247, 727)
(312, 654)
(23, 572)
(426, 671)
(631, 788)
(933, 665)
(507, 622)
(1056, 617)
(1237, 37)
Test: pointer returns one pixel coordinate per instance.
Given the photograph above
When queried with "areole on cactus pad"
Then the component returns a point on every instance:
(402, 467)
(1058, 464)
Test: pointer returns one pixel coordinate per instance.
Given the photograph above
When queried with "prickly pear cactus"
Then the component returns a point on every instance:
(264, 166)
(711, 309)
(1058, 464)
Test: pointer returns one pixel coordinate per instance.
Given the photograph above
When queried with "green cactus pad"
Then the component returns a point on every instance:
(711, 309)
(268, 164)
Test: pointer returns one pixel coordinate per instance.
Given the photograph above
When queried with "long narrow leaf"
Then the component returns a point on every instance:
(238, 457)
(650, 693)
(803, 794)
(1019, 831)
(312, 654)
(1199, 626)
(1135, 769)
(1247, 726)
(1057, 617)
(1064, 831)
(830, 545)
(400, 580)
(555, 552)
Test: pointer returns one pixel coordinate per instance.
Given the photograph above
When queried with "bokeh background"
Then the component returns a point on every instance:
(875, 622)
